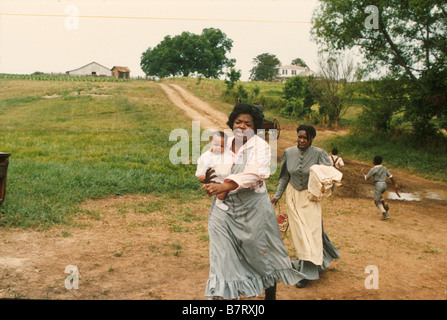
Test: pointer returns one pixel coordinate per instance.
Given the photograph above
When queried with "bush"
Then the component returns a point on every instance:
(295, 108)
(268, 102)
(299, 99)
(241, 92)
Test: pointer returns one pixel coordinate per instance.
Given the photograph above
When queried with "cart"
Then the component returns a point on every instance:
(269, 125)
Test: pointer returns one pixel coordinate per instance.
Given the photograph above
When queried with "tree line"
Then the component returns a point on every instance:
(189, 53)
(401, 79)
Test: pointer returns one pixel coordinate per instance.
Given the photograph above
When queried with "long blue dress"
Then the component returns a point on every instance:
(247, 254)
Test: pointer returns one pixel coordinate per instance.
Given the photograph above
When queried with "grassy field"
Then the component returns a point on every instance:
(396, 152)
(79, 140)
(211, 90)
(72, 141)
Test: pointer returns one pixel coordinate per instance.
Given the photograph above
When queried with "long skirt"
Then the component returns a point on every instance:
(311, 270)
(247, 254)
(313, 247)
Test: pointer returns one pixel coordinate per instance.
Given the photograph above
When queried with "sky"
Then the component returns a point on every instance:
(59, 35)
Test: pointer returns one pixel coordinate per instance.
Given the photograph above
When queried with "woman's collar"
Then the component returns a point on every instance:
(305, 150)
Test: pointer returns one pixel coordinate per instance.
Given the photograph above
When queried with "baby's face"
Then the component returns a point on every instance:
(217, 145)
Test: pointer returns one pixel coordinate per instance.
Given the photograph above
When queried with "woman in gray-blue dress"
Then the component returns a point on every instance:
(247, 255)
(313, 247)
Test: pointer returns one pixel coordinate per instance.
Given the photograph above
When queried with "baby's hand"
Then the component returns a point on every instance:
(209, 176)
(202, 179)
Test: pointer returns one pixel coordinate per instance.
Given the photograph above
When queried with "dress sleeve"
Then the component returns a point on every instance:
(284, 178)
(324, 158)
(257, 167)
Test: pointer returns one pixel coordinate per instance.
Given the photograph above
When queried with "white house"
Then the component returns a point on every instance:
(90, 69)
(288, 71)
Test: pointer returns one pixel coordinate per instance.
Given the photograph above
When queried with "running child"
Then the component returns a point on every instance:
(380, 173)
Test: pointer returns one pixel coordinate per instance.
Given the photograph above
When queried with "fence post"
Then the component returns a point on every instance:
(4, 161)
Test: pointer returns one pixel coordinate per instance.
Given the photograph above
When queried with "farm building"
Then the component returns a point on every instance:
(91, 69)
(121, 72)
(288, 71)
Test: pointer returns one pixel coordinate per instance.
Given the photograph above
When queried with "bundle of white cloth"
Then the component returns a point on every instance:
(321, 179)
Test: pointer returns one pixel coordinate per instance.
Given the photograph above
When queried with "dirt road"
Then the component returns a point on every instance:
(195, 108)
(143, 247)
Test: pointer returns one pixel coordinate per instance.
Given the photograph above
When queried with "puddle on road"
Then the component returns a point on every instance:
(417, 196)
(404, 196)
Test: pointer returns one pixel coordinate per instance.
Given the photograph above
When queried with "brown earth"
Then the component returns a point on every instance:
(143, 247)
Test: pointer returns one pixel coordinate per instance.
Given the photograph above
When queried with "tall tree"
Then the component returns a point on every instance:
(215, 46)
(264, 68)
(333, 86)
(300, 62)
(189, 53)
(406, 38)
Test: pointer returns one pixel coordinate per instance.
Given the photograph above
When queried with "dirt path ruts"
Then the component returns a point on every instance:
(196, 109)
(218, 116)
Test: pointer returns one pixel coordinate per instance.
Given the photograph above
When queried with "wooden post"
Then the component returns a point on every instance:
(4, 160)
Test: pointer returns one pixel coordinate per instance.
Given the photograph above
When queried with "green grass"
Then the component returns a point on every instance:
(211, 90)
(93, 140)
(397, 153)
(271, 89)
(72, 148)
